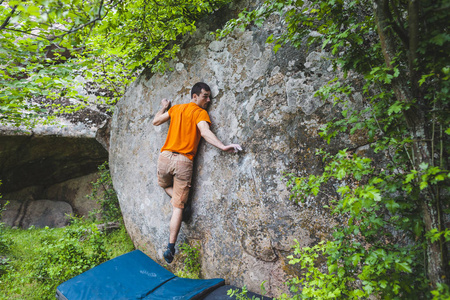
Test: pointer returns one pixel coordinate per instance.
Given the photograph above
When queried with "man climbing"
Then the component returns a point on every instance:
(188, 124)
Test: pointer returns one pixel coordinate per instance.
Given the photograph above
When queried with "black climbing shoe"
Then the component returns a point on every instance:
(168, 255)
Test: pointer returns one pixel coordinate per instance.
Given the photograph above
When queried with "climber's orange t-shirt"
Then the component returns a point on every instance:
(183, 136)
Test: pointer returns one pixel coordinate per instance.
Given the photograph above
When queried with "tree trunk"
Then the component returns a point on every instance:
(415, 119)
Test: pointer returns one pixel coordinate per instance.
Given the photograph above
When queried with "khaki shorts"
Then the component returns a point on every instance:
(175, 170)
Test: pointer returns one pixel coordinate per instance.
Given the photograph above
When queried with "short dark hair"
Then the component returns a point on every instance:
(198, 87)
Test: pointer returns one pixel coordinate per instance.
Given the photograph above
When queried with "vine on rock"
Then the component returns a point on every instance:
(392, 242)
(104, 194)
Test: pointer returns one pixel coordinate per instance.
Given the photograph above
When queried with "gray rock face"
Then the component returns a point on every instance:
(40, 213)
(103, 134)
(72, 191)
(242, 215)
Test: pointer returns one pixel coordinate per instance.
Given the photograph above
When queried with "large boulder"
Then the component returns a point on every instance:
(241, 212)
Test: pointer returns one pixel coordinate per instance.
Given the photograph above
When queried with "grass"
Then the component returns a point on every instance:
(41, 259)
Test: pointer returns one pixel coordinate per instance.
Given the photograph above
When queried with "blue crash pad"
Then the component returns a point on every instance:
(133, 276)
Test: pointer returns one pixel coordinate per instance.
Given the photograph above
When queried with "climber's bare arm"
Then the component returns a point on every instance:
(162, 116)
(211, 138)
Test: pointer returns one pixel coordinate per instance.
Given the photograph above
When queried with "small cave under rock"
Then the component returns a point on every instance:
(45, 177)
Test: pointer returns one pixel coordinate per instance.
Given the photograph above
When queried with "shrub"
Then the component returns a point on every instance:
(41, 259)
(241, 294)
(104, 194)
(80, 248)
(192, 265)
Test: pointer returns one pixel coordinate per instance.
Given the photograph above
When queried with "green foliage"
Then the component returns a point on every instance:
(441, 293)
(192, 263)
(45, 45)
(389, 210)
(377, 257)
(104, 194)
(41, 259)
(79, 249)
(241, 294)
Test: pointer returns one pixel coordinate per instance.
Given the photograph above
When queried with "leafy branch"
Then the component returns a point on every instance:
(398, 47)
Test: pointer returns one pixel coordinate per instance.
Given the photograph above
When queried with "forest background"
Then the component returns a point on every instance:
(393, 243)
